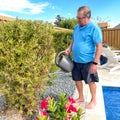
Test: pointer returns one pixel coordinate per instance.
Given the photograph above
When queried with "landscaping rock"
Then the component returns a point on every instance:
(2, 102)
(63, 83)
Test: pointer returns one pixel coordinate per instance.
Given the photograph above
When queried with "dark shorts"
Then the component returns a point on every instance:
(81, 72)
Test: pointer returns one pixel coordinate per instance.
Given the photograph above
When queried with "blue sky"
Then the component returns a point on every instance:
(107, 10)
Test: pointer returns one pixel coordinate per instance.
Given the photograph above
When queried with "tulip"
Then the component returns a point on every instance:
(44, 104)
(71, 100)
(69, 118)
(42, 113)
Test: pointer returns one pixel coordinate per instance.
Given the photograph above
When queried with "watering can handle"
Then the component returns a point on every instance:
(56, 58)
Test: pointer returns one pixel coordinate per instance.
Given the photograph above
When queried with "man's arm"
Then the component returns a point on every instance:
(68, 50)
(93, 68)
(98, 52)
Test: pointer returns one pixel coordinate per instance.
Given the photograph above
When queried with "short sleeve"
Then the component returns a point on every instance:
(75, 28)
(73, 36)
(97, 35)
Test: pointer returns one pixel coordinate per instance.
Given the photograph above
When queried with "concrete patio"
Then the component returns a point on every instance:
(106, 79)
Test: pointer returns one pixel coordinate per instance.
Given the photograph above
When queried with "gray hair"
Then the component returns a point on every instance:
(86, 11)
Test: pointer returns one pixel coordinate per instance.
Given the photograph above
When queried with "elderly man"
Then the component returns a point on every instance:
(86, 48)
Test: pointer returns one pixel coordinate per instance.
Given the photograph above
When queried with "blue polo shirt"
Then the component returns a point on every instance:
(84, 42)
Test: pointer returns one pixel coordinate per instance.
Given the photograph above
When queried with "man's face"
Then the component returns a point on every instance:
(82, 20)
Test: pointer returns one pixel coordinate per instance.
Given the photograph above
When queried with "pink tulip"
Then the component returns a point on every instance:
(36, 119)
(48, 98)
(69, 118)
(42, 113)
(66, 106)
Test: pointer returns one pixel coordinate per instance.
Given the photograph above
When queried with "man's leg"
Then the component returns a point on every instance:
(79, 86)
(92, 103)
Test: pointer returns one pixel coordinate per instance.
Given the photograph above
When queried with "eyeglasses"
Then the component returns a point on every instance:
(80, 18)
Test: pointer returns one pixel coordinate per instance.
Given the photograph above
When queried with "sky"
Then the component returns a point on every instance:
(47, 10)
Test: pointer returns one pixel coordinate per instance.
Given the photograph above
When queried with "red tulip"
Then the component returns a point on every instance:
(72, 109)
(44, 113)
(71, 100)
(44, 104)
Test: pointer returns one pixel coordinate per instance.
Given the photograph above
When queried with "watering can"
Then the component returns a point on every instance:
(64, 61)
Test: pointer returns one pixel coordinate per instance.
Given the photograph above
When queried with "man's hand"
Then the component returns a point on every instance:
(93, 68)
(67, 51)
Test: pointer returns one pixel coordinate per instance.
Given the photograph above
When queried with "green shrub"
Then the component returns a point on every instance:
(68, 23)
(26, 54)
(62, 39)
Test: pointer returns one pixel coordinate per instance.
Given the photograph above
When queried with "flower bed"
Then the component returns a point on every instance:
(63, 109)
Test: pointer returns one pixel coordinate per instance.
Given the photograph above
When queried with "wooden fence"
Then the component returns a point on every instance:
(112, 37)
(6, 18)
